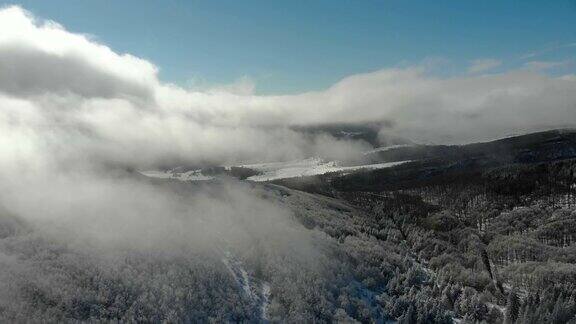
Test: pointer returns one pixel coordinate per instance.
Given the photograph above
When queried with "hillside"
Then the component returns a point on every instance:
(494, 222)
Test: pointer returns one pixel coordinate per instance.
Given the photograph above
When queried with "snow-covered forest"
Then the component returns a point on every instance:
(482, 243)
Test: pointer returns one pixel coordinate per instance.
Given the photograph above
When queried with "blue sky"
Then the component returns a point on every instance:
(300, 45)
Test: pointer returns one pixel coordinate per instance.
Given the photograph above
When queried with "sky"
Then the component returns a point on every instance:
(287, 47)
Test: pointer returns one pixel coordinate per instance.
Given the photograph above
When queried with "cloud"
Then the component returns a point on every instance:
(61, 75)
(74, 116)
(569, 77)
(111, 107)
(244, 85)
(548, 49)
(68, 98)
(482, 65)
(42, 57)
(544, 65)
(418, 105)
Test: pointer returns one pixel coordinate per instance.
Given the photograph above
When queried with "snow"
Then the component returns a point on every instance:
(194, 175)
(386, 148)
(369, 298)
(265, 300)
(157, 174)
(307, 167)
(238, 272)
(276, 170)
(502, 309)
(257, 290)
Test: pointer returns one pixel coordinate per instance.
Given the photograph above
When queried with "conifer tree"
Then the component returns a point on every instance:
(512, 308)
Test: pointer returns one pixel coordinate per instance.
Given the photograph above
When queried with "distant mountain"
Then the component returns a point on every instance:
(409, 161)
(432, 162)
(542, 146)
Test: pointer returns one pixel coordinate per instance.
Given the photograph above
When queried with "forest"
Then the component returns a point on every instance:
(490, 236)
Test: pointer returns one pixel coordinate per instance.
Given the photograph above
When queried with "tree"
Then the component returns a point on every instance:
(409, 316)
(512, 308)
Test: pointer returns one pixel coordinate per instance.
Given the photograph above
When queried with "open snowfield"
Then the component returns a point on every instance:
(276, 170)
(307, 167)
(194, 175)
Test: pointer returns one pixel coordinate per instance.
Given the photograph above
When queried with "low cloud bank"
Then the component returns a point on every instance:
(73, 98)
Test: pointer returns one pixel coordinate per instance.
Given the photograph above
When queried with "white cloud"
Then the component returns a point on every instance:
(568, 77)
(244, 85)
(544, 65)
(42, 57)
(85, 102)
(483, 65)
(548, 49)
(70, 108)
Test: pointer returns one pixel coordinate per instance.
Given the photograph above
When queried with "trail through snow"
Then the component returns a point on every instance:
(257, 290)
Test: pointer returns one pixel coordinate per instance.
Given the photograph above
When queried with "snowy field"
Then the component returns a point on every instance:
(386, 148)
(194, 175)
(307, 167)
(276, 170)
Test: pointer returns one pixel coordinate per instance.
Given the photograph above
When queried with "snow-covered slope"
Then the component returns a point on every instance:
(275, 170)
(307, 167)
(194, 175)
(255, 289)
(386, 148)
